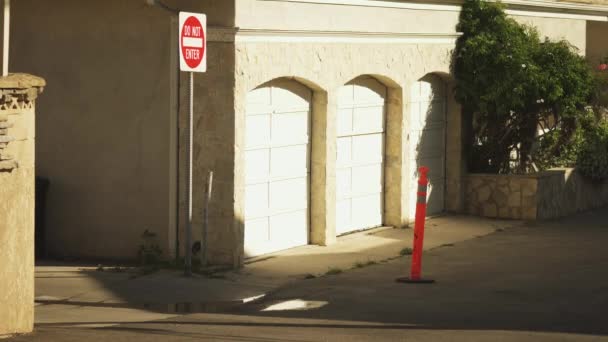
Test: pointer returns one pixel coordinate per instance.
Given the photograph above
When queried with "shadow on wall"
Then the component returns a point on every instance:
(428, 140)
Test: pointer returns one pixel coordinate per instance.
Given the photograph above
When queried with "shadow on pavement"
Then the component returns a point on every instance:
(541, 278)
(546, 277)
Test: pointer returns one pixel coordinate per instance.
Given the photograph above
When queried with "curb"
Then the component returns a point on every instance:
(176, 307)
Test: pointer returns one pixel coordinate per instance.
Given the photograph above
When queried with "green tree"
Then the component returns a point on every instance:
(510, 83)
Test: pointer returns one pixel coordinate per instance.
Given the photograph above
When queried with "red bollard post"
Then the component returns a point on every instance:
(416, 270)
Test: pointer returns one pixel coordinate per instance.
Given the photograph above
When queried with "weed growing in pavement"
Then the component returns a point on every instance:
(361, 264)
(334, 271)
(406, 251)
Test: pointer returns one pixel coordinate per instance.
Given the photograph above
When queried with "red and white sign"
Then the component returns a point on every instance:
(192, 42)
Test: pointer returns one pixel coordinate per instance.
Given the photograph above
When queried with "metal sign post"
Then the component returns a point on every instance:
(188, 255)
(204, 246)
(193, 58)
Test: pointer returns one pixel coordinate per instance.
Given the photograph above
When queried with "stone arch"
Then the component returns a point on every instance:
(313, 86)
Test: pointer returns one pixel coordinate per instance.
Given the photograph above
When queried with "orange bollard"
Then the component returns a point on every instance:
(416, 269)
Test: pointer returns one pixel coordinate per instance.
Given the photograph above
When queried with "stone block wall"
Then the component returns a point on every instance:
(17, 98)
(501, 196)
(564, 192)
(544, 195)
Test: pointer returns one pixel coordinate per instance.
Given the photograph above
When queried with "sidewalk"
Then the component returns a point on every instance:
(70, 294)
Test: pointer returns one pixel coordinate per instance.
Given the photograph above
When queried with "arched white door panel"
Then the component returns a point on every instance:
(360, 155)
(427, 141)
(277, 167)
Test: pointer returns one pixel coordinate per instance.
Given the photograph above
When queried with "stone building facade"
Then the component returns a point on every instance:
(313, 115)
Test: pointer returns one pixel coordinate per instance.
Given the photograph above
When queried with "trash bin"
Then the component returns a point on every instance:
(42, 186)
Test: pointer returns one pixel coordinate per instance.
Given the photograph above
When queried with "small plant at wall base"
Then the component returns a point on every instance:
(334, 271)
(149, 252)
(406, 251)
(511, 84)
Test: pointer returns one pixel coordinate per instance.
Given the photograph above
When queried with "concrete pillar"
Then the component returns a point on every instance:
(408, 162)
(217, 148)
(17, 191)
(323, 170)
(394, 199)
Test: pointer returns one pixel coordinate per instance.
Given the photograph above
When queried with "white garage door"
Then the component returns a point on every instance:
(277, 176)
(359, 174)
(427, 141)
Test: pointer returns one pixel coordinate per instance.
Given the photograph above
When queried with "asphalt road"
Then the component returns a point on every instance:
(545, 282)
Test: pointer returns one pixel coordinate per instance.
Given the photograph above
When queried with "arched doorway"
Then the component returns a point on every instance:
(277, 154)
(360, 155)
(428, 141)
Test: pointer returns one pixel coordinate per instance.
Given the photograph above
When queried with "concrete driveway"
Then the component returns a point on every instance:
(73, 294)
(542, 282)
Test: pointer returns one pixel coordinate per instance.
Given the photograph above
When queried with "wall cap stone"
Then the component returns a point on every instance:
(21, 81)
(536, 175)
(495, 175)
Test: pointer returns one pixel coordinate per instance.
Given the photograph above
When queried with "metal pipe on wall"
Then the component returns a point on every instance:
(174, 13)
(6, 39)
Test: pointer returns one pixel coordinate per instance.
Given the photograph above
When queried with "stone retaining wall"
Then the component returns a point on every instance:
(545, 195)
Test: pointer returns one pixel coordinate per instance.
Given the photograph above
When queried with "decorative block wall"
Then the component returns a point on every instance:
(545, 195)
(17, 201)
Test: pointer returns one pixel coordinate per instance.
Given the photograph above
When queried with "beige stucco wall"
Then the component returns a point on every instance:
(597, 42)
(214, 147)
(572, 30)
(104, 128)
(220, 13)
(17, 98)
(284, 15)
(325, 68)
(592, 2)
(108, 130)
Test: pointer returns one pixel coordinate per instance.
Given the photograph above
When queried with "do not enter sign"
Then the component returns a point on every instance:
(192, 58)
(192, 42)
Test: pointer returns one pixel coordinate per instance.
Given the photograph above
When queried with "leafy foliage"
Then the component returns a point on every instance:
(600, 96)
(560, 147)
(592, 159)
(512, 83)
